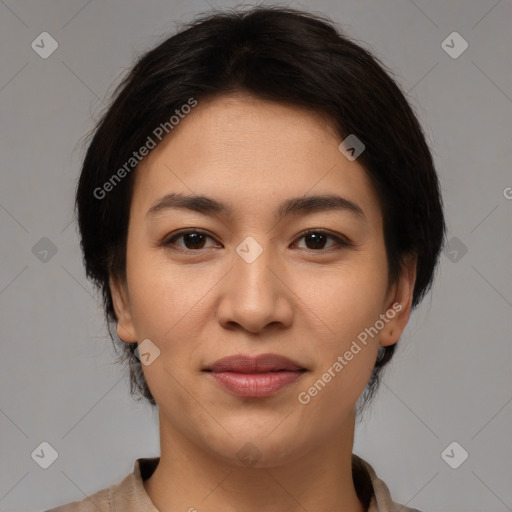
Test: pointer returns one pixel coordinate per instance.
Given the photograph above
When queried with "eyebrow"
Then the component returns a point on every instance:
(293, 206)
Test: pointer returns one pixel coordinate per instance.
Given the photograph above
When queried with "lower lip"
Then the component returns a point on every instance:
(255, 385)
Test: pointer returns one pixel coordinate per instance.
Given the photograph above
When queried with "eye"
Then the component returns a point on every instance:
(316, 239)
(192, 239)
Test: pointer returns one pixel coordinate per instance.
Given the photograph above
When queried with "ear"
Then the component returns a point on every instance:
(399, 301)
(125, 328)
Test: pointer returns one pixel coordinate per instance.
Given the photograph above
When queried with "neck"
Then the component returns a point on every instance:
(189, 478)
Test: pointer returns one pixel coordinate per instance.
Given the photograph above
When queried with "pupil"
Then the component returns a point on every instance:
(317, 239)
(193, 239)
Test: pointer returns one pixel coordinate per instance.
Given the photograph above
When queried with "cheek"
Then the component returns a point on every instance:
(347, 299)
(167, 307)
(345, 351)
(348, 302)
(163, 296)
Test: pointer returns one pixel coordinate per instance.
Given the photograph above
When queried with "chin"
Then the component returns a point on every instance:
(250, 446)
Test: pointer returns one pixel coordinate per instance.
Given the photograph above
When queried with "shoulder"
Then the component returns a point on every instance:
(120, 496)
(381, 500)
(127, 496)
(98, 501)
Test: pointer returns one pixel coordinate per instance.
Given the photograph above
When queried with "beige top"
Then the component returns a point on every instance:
(130, 495)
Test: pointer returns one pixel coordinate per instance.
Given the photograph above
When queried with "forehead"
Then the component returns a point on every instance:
(240, 123)
(249, 153)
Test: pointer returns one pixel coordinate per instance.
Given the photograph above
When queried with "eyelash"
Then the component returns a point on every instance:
(340, 242)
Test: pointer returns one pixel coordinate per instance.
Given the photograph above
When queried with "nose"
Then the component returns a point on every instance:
(254, 295)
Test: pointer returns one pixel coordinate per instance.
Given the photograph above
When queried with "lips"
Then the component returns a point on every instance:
(255, 377)
(263, 363)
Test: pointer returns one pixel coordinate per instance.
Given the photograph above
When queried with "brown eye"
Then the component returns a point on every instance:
(192, 240)
(316, 240)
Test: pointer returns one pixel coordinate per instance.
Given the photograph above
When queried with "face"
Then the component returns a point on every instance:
(307, 280)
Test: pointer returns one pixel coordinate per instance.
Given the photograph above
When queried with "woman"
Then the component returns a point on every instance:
(261, 212)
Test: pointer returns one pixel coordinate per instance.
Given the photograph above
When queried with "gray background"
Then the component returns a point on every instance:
(451, 378)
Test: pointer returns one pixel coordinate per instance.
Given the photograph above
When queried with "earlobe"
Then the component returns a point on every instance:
(125, 328)
(399, 303)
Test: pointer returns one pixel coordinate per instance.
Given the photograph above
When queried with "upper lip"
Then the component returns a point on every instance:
(259, 364)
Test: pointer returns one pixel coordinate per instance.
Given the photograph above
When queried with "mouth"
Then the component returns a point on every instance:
(255, 377)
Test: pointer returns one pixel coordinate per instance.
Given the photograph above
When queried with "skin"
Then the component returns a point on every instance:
(199, 301)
